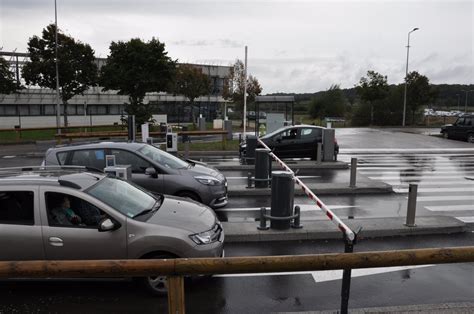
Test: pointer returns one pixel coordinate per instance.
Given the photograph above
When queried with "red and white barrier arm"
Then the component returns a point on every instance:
(338, 222)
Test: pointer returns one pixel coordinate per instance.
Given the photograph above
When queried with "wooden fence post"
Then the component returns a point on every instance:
(176, 295)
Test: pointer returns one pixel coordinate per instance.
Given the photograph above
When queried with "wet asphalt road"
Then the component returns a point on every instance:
(445, 188)
(265, 293)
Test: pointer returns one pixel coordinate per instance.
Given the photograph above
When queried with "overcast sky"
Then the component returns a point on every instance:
(294, 46)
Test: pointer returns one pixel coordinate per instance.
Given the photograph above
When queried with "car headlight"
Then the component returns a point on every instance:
(208, 236)
(207, 180)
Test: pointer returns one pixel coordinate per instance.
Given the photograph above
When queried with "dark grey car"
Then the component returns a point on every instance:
(152, 169)
(53, 213)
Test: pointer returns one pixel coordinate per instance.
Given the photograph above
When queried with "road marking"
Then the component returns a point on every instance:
(469, 219)
(411, 171)
(303, 208)
(450, 208)
(369, 164)
(301, 177)
(445, 198)
(442, 183)
(8, 157)
(409, 177)
(330, 275)
(435, 190)
(370, 169)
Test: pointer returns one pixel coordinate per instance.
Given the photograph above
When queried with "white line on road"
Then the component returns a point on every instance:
(460, 172)
(330, 275)
(408, 177)
(449, 208)
(8, 157)
(301, 177)
(445, 198)
(370, 169)
(440, 183)
(435, 190)
(303, 208)
(466, 219)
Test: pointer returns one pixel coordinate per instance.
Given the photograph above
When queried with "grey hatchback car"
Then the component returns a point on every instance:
(69, 213)
(152, 168)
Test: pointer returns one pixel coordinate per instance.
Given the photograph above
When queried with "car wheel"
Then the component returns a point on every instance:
(470, 138)
(157, 285)
(190, 195)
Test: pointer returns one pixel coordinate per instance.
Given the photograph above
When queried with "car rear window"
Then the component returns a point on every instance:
(17, 207)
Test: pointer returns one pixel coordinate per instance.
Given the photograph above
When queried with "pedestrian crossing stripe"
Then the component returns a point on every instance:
(399, 184)
(466, 219)
(449, 208)
(445, 198)
(422, 172)
(409, 177)
(435, 190)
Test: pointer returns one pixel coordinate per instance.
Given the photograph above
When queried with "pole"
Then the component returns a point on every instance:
(245, 92)
(406, 83)
(58, 106)
(406, 76)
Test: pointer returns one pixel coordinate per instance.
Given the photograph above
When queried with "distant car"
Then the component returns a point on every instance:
(299, 141)
(152, 168)
(70, 213)
(462, 129)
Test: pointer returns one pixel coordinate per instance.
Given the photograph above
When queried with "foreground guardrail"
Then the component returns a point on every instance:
(175, 269)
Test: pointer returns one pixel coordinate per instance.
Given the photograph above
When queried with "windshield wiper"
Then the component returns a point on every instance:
(154, 208)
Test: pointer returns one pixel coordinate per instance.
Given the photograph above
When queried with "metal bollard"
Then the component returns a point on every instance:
(250, 150)
(281, 199)
(319, 152)
(353, 179)
(296, 222)
(249, 180)
(411, 207)
(261, 168)
(263, 219)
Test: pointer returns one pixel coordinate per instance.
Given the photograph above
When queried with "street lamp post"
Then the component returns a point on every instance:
(58, 106)
(406, 76)
(465, 103)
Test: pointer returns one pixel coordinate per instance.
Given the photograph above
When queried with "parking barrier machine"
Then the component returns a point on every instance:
(120, 171)
(171, 141)
(251, 141)
(329, 136)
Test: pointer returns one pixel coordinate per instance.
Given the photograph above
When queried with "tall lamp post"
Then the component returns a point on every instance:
(58, 106)
(406, 76)
(465, 103)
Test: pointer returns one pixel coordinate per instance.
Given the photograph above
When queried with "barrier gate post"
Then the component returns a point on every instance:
(346, 276)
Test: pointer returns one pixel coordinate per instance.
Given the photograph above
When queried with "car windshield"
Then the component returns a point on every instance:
(123, 196)
(163, 158)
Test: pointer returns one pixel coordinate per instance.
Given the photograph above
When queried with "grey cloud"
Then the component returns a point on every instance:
(222, 43)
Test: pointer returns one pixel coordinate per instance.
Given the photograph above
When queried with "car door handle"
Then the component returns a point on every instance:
(55, 241)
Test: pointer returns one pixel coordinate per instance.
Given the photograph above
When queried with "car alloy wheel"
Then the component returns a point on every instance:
(157, 285)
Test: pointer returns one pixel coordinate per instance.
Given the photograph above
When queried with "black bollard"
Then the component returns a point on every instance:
(251, 142)
(282, 199)
(261, 168)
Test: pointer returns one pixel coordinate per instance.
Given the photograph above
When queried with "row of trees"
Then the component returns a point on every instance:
(375, 101)
(133, 68)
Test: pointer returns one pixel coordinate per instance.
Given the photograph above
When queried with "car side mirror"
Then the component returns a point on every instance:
(150, 171)
(107, 224)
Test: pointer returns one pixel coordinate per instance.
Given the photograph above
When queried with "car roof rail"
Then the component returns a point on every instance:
(48, 168)
(79, 143)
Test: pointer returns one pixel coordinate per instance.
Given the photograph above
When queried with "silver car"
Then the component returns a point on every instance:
(152, 168)
(67, 213)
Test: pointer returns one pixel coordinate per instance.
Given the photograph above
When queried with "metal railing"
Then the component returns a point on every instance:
(175, 269)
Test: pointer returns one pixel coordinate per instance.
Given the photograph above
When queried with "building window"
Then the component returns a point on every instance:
(35, 110)
(49, 110)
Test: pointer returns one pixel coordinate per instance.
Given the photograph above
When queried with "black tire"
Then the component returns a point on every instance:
(191, 195)
(156, 285)
(470, 138)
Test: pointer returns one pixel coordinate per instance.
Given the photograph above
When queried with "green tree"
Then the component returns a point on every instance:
(192, 83)
(331, 103)
(419, 92)
(76, 65)
(135, 68)
(234, 87)
(8, 84)
(371, 89)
